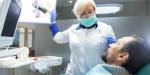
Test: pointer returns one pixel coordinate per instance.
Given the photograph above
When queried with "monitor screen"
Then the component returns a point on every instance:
(11, 19)
(10, 12)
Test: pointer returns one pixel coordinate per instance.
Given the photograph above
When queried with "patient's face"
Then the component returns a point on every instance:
(114, 55)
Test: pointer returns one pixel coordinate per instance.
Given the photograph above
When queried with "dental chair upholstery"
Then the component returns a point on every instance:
(145, 70)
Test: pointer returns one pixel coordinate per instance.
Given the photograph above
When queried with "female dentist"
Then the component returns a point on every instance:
(88, 39)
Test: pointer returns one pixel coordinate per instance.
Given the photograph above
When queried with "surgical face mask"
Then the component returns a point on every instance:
(89, 21)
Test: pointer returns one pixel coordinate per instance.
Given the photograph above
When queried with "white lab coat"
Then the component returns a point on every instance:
(86, 46)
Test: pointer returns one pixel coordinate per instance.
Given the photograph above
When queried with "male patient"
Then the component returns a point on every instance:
(129, 54)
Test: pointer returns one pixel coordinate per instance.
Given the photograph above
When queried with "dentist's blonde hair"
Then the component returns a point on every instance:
(79, 7)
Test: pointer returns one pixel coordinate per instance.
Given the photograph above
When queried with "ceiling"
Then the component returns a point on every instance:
(61, 3)
(131, 8)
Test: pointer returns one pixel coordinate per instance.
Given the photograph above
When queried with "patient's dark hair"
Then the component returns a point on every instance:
(139, 54)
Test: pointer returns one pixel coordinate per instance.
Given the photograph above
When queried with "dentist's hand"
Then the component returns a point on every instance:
(53, 26)
(53, 16)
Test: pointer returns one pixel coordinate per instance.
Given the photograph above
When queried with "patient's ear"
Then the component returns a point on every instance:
(122, 57)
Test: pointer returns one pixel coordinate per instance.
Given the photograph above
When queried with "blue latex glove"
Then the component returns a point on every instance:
(111, 39)
(53, 16)
(53, 26)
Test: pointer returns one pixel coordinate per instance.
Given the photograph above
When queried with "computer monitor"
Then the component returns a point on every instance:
(9, 14)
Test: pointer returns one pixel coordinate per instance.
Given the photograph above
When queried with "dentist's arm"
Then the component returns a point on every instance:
(58, 37)
(53, 26)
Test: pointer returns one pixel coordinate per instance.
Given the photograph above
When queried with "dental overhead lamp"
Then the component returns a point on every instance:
(108, 8)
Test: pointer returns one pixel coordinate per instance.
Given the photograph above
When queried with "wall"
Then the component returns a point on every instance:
(130, 8)
(148, 7)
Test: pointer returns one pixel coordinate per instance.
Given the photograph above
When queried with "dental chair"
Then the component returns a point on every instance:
(145, 70)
